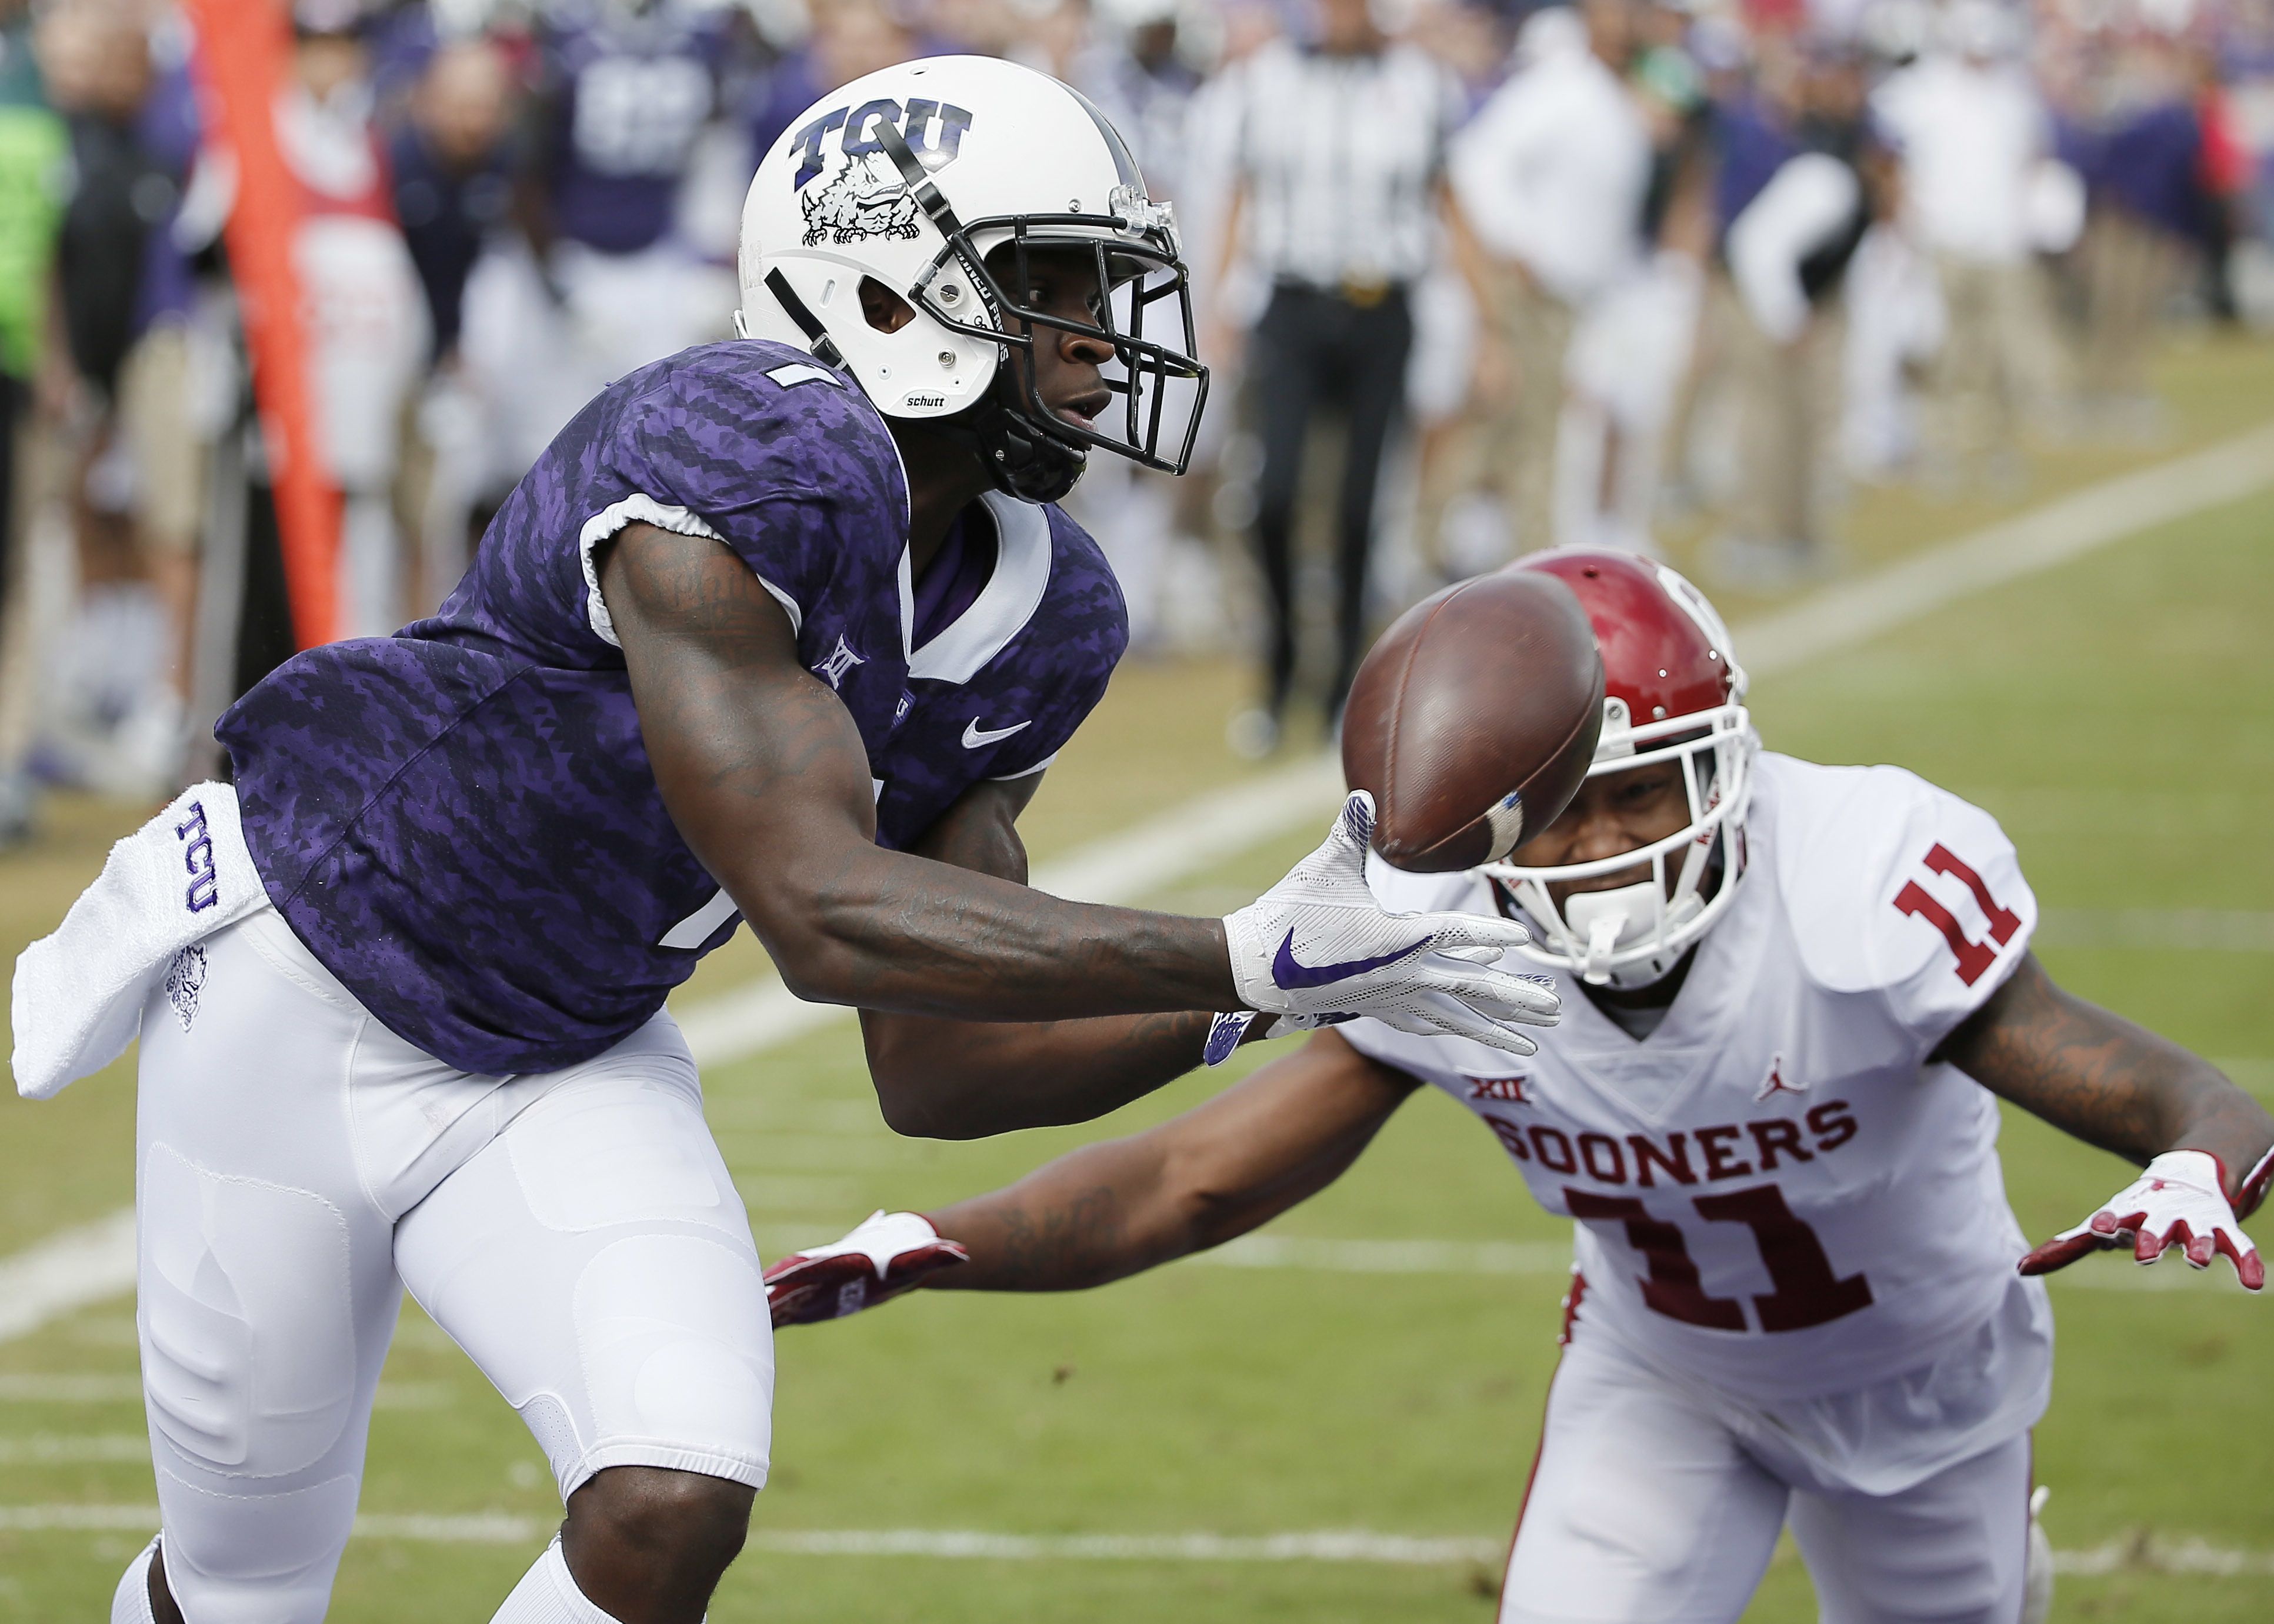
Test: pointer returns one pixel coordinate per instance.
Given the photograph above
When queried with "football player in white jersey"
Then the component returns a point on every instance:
(1790, 994)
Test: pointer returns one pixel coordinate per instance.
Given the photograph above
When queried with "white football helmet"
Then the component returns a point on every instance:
(1673, 691)
(914, 176)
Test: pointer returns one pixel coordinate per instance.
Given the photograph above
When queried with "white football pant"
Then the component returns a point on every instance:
(1645, 1508)
(299, 1165)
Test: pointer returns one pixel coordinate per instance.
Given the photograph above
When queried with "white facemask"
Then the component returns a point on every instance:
(1604, 921)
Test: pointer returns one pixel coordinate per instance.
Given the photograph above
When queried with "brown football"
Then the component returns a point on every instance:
(1474, 720)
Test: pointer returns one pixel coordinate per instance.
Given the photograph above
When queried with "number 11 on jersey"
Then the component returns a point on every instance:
(1807, 1292)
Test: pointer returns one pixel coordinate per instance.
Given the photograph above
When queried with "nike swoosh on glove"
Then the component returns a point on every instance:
(2180, 1202)
(887, 1254)
(1319, 944)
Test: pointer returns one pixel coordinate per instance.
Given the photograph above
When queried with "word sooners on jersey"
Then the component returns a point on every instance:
(1777, 1192)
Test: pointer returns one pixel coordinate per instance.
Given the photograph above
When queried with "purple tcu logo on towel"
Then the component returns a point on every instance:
(197, 859)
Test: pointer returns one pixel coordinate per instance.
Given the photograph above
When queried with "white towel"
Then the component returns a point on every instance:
(78, 993)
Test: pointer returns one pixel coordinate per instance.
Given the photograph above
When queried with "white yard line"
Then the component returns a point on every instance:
(2192, 1556)
(1839, 617)
(73, 1448)
(66, 1271)
(85, 1265)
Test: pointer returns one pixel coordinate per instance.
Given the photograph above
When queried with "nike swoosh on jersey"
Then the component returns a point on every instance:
(974, 736)
(1287, 973)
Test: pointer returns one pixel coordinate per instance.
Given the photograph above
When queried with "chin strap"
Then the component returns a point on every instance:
(1024, 460)
(816, 336)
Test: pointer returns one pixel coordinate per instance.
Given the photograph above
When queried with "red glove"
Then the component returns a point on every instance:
(889, 1254)
(2180, 1202)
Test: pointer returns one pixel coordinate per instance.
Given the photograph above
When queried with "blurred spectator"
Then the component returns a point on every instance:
(1971, 130)
(133, 524)
(1338, 197)
(1631, 349)
(1130, 62)
(452, 170)
(849, 38)
(627, 89)
(2150, 171)
(1788, 252)
(1554, 172)
(366, 324)
(1135, 68)
(34, 148)
(367, 329)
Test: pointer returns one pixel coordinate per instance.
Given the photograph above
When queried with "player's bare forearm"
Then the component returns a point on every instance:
(1221, 1170)
(766, 777)
(960, 1080)
(2103, 1079)
(965, 1080)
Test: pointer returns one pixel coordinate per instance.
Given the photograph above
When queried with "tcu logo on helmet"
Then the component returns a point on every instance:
(867, 197)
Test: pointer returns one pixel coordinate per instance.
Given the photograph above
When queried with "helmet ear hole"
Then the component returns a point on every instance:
(882, 308)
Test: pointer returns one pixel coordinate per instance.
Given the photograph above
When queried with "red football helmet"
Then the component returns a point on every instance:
(1673, 691)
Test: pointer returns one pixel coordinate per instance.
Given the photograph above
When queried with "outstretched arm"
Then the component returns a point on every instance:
(2104, 1079)
(965, 1080)
(765, 776)
(1222, 1168)
(1117, 1208)
(2118, 1086)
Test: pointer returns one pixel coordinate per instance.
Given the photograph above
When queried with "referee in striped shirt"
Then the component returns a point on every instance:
(1338, 197)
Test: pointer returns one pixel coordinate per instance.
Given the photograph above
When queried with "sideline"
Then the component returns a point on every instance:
(2147, 1554)
(85, 1265)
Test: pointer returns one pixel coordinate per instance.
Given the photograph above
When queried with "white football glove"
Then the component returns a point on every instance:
(2180, 1202)
(1319, 944)
(887, 1254)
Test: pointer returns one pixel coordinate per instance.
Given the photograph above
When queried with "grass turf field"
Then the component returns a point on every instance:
(2115, 714)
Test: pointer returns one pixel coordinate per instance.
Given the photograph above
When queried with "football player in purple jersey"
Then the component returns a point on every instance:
(784, 630)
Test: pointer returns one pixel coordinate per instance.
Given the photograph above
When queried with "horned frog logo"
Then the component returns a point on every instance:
(865, 199)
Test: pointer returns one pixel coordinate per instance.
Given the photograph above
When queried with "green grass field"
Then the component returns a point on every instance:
(2118, 714)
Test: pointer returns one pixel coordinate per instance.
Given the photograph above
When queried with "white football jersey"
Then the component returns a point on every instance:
(1778, 1194)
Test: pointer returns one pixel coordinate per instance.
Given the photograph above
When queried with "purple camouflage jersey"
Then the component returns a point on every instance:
(460, 820)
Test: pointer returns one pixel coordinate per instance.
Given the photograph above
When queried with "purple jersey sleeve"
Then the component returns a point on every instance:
(821, 486)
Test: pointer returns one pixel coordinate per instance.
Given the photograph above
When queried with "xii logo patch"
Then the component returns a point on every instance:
(1512, 1089)
(841, 659)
